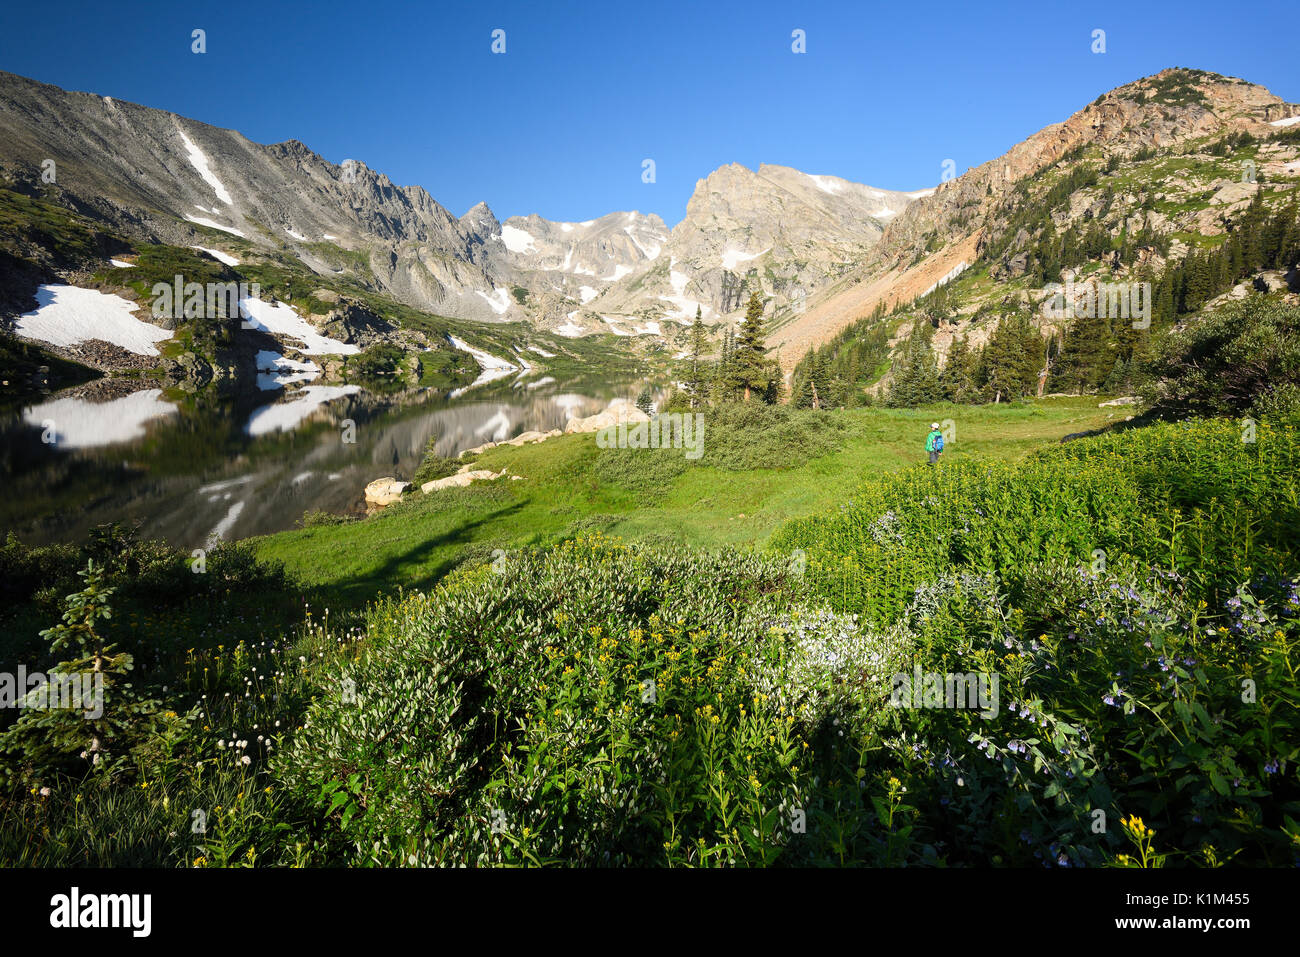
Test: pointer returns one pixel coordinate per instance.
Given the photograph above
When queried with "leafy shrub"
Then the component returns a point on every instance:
(1229, 360)
(590, 705)
(317, 518)
(1191, 496)
(434, 466)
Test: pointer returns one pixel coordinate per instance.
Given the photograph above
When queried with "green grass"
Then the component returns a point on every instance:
(563, 492)
(608, 704)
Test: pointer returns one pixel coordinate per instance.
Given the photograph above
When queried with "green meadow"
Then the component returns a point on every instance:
(751, 478)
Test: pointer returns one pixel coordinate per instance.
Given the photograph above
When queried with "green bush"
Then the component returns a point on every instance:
(1228, 361)
(434, 466)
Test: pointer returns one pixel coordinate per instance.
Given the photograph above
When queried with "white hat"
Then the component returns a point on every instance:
(934, 425)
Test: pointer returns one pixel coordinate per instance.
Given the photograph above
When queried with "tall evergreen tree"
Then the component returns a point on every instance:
(957, 380)
(1086, 357)
(916, 373)
(695, 379)
(753, 371)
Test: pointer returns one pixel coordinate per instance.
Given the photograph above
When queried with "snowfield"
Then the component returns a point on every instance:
(1289, 121)
(953, 273)
(274, 370)
(493, 367)
(66, 315)
(500, 302)
(651, 251)
(218, 255)
(200, 163)
(828, 184)
(517, 240)
(570, 329)
(731, 258)
(81, 424)
(276, 317)
(212, 225)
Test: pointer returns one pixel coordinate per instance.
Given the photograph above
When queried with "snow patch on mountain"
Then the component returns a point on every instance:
(952, 274)
(492, 367)
(213, 225)
(275, 371)
(518, 240)
(282, 319)
(650, 251)
(827, 184)
(200, 162)
(731, 258)
(67, 315)
(218, 255)
(499, 302)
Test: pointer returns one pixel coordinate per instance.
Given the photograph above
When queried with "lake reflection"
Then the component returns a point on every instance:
(244, 467)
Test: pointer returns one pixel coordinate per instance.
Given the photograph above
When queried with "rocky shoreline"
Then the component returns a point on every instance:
(388, 490)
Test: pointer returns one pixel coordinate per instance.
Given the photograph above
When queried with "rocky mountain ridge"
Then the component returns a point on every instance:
(937, 238)
(155, 176)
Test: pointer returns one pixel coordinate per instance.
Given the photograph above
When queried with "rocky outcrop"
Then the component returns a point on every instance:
(354, 323)
(386, 491)
(462, 479)
(188, 371)
(524, 438)
(614, 415)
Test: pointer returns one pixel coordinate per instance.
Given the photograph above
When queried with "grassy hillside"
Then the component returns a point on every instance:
(752, 477)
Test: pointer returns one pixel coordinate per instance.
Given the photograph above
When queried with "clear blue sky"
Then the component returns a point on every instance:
(559, 124)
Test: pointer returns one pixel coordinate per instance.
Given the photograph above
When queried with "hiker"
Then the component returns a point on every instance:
(934, 443)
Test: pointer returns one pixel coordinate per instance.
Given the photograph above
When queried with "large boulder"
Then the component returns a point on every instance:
(386, 491)
(614, 415)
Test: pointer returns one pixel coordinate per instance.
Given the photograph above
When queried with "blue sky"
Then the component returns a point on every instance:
(560, 124)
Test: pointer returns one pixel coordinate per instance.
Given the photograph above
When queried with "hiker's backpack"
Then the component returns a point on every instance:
(938, 442)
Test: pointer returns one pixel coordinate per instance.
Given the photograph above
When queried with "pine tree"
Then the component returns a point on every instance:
(916, 373)
(695, 382)
(957, 380)
(1086, 357)
(752, 370)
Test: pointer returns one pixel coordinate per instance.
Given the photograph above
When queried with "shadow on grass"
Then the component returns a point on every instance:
(408, 568)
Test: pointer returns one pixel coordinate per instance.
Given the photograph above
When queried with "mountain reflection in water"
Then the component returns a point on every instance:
(248, 466)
